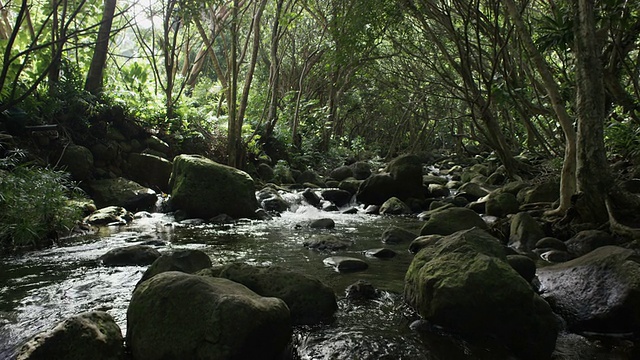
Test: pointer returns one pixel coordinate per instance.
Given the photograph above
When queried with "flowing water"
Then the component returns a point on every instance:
(41, 288)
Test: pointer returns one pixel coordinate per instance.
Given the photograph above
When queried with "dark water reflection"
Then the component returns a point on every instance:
(41, 288)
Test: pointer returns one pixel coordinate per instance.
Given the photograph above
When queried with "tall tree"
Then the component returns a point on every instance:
(95, 76)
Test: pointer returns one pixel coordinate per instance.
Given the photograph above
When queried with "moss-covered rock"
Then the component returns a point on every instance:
(450, 220)
(376, 189)
(78, 161)
(406, 171)
(524, 232)
(180, 316)
(309, 300)
(187, 261)
(463, 283)
(87, 336)
(394, 206)
(130, 256)
(502, 204)
(598, 292)
(150, 170)
(204, 189)
(120, 192)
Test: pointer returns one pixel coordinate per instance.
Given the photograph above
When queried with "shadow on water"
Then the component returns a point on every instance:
(39, 289)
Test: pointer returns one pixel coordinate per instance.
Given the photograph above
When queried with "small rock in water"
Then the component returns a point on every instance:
(382, 253)
(141, 215)
(328, 243)
(311, 197)
(372, 209)
(130, 255)
(222, 219)
(325, 223)
(351, 210)
(194, 222)
(361, 290)
(344, 264)
(329, 207)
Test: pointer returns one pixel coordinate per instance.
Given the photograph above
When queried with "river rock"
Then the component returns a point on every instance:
(597, 292)
(350, 185)
(423, 241)
(588, 240)
(326, 243)
(450, 220)
(555, 256)
(406, 171)
(433, 179)
(272, 201)
(309, 300)
(438, 191)
(311, 197)
(337, 197)
(380, 253)
(265, 172)
(361, 290)
(524, 232)
(181, 316)
(472, 191)
(397, 235)
(310, 177)
(78, 161)
(204, 188)
(345, 264)
(187, 261)
(501, 204)
(523, 265)
(341, 173)
(464, 284)
(121, 192)
(394, 206)
(130, 256)
(87, 336)
(324, 223)
(376, 189)
(150, 170)
(546, 192)
(551, 243)
(109, 215)
(361, 170)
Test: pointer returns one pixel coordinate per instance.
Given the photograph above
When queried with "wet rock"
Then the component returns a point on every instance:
(555, 256)
(275, 204)
(361, 170)
(309, 300)
(329, 207)
(381, 253)
(337, 196)
(309, 177)
(524, 232)
(224, 219)
(547, 192)
(448, 221)
(361, 290)
(325, 223)
(326, 243)
(204, 188)
(150, 170)
(180, 316)
(157, 144)
(472, 191)
(265, 172)
(121, 192)
(551, 243)
(394, 206)
(463, 283)
(260, 214)
(351, 210)
(397, 235)
(438, 190)
(588, 240)
(597, 292)
(376, 189)
(130, 256)
(90, 335)
(350, 185)
(523, 265)
(311, 197)
(423, 241)
(109, 215)
(341, 173)
(432, 179)
(502, 204)
(439, 204)
(372, 209)
(78, 161)
(186, 261)
(406, 171)
(345, 264)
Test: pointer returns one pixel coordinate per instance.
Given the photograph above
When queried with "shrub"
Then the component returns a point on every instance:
(36, 206)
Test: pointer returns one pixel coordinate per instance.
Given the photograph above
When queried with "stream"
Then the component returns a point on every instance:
(41, 288)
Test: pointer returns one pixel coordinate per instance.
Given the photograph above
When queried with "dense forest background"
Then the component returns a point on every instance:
(304, 82)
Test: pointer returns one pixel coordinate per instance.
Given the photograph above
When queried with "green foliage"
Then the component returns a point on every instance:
(35, 205)
(623, 138)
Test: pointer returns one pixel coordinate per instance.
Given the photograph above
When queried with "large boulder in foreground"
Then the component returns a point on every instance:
(463, 283)
(176, 316)
(87, 336)
(204, 188)
(598, 292)
(309, 300)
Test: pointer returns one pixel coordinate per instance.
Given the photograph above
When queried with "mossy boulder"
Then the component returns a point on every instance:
(341, 173)
(203, 189)
(78, 161)
(406, 171)
(394, 206)
(180, 316)
(463, 283)
(598, 292)
(361, 170)
(120, 192)
(449, 220)
(501, 204)
(87, 336)
(309, 300)
(130, 256)
(376, 189)
(150, 170)
(524, 232)
(186, 260)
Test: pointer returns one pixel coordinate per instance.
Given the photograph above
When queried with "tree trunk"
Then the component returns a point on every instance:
(232, 141)
(593, 173)
(274, 72)
(94, 80)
